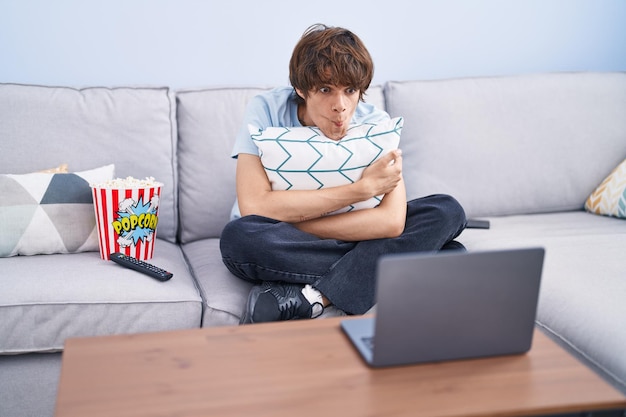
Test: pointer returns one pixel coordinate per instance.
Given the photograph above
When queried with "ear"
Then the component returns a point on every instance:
(299, 92)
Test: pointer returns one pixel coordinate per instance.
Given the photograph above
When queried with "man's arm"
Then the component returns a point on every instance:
(385, 221)
(255, 195)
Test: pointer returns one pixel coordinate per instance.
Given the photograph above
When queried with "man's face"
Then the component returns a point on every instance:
(331, 108)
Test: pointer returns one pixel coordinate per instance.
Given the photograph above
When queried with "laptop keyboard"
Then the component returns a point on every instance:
(368, 341)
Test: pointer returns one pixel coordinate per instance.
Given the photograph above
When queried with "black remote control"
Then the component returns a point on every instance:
(477, 224)
(141, 266)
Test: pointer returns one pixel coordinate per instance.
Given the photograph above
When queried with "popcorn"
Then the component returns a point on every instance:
(128, 182)
(126, 212)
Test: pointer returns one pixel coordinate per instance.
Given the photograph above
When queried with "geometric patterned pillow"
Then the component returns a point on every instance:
(302, 158)
(609, 199)
(43, 213)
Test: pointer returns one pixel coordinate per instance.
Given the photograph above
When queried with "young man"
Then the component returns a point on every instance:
(301, 259)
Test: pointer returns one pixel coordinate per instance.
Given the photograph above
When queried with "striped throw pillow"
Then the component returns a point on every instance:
(609, 199)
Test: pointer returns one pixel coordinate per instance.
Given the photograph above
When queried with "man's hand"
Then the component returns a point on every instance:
(385, 221)
(383, 175)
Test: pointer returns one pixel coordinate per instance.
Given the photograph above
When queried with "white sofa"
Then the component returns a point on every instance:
(523, 151)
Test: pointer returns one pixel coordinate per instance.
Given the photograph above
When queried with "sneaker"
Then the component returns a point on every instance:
(454, 245)
(272, 301)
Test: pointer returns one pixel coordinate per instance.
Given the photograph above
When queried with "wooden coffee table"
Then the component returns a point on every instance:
(309, 368)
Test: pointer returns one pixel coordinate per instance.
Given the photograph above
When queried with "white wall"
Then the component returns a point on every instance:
(195, 43)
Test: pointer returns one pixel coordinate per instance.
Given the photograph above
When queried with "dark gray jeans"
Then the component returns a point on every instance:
(256, 249)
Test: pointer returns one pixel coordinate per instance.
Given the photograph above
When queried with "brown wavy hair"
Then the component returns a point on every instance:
(327, 55)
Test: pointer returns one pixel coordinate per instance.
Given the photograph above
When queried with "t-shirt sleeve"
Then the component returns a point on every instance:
(257, 114)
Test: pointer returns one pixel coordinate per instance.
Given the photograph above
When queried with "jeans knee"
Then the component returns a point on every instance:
(231, 237)
(244, 236)
(230, 229)
(453, 210)
(444, 210)
(226, 236)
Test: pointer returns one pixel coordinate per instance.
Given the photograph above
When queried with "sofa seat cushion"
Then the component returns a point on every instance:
(224, 295)
(584, 275)
(76, 295)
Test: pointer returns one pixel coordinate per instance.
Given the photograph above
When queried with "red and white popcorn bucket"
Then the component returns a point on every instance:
(127, 216)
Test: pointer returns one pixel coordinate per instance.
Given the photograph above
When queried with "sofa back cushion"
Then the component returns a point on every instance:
(208, 121)
(132, 128)
(511, 145)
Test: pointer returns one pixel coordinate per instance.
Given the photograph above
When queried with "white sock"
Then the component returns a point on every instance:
(314, 297)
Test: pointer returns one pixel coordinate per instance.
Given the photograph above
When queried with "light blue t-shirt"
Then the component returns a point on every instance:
(278, 108)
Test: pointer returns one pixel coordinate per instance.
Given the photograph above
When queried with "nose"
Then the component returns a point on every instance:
(339, 105)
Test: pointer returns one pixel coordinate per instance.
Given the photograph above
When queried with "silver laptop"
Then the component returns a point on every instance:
(433, 307)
